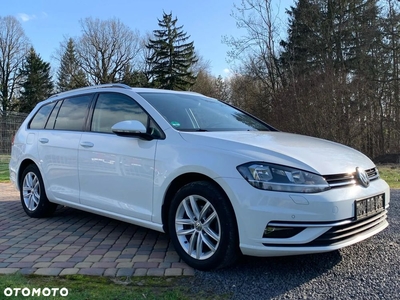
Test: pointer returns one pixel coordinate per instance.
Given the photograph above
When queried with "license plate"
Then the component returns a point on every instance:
(369, 206)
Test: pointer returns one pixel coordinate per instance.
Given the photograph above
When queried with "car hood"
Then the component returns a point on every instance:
(298, 151)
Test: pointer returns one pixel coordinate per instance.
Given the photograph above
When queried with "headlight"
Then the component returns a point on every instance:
(282, 179)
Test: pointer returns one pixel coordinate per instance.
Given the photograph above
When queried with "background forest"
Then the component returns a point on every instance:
(335, 74)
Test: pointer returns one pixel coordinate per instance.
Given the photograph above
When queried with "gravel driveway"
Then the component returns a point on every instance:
(368, 270)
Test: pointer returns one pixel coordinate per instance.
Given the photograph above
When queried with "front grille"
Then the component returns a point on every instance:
(342, 180)
(345, 230)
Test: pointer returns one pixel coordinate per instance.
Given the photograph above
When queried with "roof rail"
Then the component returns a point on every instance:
(120, 85)
(99, 86)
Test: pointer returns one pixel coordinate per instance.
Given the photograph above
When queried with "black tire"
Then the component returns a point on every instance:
(33, 195)
(203, 216)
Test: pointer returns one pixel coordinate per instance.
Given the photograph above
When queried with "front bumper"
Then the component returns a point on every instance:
(327, 218)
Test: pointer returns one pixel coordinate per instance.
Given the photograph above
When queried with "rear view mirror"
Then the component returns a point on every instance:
(131, 128)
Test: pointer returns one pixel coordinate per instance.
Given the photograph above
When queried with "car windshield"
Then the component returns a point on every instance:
(194, 112)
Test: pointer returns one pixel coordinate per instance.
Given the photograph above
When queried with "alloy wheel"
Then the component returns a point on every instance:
(31, 191)
(198, 227)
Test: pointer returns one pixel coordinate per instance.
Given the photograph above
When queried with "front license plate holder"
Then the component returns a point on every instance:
(369, 206)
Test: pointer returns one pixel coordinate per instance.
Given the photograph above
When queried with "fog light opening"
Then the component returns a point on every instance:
(277, 232)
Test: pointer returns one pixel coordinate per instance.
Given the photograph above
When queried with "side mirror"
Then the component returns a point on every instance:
(131, 128)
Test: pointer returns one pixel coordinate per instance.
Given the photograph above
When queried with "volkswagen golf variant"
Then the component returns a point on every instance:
(219, 181)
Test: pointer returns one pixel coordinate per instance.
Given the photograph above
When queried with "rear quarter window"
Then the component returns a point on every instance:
(40, 118)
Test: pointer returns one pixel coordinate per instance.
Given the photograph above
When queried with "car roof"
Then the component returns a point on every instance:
(112, 85)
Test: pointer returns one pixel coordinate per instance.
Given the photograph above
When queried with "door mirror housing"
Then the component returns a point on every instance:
(131, 128)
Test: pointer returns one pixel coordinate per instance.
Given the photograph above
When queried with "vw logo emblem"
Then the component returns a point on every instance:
(362, 177)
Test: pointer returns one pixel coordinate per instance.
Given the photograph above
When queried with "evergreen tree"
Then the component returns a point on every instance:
(70, 75)
(301, 49)
(134, 78)
(330, 60)
(326, 34)
(36, 81)
(172, 56)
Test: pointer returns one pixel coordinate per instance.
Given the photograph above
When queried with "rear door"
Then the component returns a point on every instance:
(58, 148)
(116, 173)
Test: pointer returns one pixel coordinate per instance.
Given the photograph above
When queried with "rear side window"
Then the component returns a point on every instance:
(72, 113)
(39, 120)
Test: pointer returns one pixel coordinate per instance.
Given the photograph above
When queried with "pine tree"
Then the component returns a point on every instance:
(301, 49)
(327, 34)
(172, 56)
(134, 78)
(70, 75)
(330, 62)
(36, 83)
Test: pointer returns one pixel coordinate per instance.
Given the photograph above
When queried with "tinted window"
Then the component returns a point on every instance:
(112, 108)
(72, 113)
(53, 116)
(39, 120)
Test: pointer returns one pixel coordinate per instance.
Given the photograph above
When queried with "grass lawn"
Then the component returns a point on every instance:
(4, 174)
(391, 174)
(90, 287)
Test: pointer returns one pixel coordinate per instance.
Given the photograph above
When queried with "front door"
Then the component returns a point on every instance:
(116, 173)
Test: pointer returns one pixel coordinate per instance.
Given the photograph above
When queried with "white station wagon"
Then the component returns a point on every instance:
(220, 182)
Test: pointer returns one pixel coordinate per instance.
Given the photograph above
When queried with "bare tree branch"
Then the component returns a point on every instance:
(106, 49)
(14, 46)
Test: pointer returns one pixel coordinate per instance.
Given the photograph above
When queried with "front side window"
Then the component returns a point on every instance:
(72, 113)
(112, 108)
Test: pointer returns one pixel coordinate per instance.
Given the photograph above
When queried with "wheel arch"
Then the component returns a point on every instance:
(25, 163)
(181, 181)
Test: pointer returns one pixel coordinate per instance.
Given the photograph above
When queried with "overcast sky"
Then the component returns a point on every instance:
(47, 22)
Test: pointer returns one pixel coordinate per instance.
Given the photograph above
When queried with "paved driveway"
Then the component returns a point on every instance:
(76, 242)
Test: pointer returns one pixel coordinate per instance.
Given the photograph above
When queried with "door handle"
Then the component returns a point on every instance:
(44, 140)
(87, 144)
